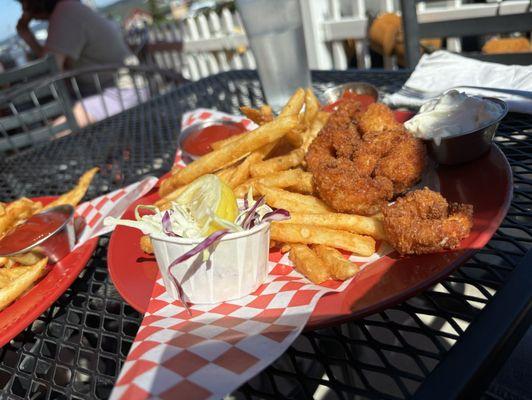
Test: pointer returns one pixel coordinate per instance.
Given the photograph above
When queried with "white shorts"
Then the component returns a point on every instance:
(113, 101)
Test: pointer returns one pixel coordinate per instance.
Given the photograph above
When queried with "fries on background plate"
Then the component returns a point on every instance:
(20, 272)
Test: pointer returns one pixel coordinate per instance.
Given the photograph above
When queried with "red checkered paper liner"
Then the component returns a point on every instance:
(212, 352)
(112, 204)
(215, 349)
(205, 114)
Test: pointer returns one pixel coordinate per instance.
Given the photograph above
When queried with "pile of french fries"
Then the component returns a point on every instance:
(271, 161)
(18, 273)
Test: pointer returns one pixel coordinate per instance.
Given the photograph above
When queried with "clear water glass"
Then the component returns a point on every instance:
(275, 32)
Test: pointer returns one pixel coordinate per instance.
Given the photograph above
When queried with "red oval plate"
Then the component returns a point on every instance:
(485, 183)
(23, 311)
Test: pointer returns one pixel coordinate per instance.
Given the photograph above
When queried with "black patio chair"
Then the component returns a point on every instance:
(40, 119)
(22, 112)
(413, 31)
(29, 72)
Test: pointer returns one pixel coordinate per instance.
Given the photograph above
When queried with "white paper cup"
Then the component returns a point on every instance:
(237, 266)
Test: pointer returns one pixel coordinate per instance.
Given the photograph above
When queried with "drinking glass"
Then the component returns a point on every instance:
(275, 32)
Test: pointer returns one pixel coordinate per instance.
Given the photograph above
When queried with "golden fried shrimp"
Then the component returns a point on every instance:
(336, 139)
(360, 160)
(378, 118)
(423, 222)
(345, 190)
(404, 164)
(346, 114)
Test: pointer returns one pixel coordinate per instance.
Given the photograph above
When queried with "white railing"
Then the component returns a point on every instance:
(214, 42)
(327, 25)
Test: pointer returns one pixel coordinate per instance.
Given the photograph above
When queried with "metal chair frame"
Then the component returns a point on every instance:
(35, 123)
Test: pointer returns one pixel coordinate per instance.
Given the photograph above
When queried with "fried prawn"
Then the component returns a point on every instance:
(424, 222)
(361, 160)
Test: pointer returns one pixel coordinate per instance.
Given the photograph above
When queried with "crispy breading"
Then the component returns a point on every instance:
(360, 160)
(424, 222)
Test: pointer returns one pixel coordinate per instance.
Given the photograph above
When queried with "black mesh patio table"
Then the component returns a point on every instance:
(76, 348)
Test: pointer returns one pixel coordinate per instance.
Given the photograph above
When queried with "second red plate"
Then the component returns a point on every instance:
(27, 308)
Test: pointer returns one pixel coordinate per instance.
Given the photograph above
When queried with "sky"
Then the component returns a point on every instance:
(11, 11)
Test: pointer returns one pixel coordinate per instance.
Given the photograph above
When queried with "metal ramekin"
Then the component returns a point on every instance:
(333, 94)
(467, 146)
(185, 155)
(56, 244)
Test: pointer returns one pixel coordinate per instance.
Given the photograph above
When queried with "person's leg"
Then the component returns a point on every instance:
(82, 117)
(100, 106)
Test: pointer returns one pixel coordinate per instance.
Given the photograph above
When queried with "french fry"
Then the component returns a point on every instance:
(267, 113)
(74, 196)
(305, 185)
(312, 106)
(290, 205)
(10, 263)
(308, 263)
(264, 151)
(17, 212)
(281, 163)
(241, 173)
(298, 202)
(223, 142)
(295, 137)
(260, 117)
(294, 104)
(29, 258)
(310, 134)
(16, 280)
(214, 160)
(362, 225)
(308, 234)
(3, 261)
(252, 113)
(225, 174)
(145, 244)
(338, 267)
(293, 107)
(296, 179)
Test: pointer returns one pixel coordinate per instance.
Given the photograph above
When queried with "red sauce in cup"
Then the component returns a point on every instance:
(34, 229)
(199, 143)
(364, 99)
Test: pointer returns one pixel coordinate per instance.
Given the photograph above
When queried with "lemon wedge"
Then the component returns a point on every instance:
(207, 198)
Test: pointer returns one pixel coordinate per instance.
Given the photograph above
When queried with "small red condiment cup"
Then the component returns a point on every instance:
(198, 127)
(54, 243)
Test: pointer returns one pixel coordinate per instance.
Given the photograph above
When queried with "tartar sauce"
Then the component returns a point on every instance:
(452, 114)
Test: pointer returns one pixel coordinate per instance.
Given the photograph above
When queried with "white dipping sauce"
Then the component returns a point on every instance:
(452, 114)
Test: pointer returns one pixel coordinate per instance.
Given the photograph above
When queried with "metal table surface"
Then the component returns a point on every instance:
(76, 348)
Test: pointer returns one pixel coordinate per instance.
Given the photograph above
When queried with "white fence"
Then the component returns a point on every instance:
(214, 42)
